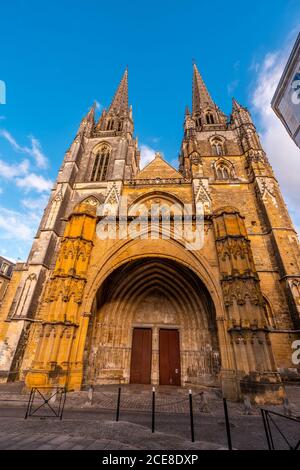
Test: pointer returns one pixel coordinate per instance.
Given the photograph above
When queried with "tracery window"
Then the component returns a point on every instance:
(224, 170)
(101, 163)
(110, 124)
(209, 118)
(217, 147)
(198, 121)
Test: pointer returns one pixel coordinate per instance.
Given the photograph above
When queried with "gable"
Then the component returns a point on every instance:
(158, 168)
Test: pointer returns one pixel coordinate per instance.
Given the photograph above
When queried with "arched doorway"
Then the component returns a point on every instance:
(153, 322)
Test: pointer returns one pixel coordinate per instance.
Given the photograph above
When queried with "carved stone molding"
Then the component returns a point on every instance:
(266, 187)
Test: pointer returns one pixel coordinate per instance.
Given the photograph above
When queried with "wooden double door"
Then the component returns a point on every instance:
(169, 356)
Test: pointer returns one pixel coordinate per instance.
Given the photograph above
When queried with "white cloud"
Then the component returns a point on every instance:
(35, 204)
(35, 150)
(11, 140)
(283, 154)
(15, 225)
(18, 226)
(155, 140)
(99, 106)
(19, 172)
(232, 86)
(8, 171)
(34, 181)
(147, 154)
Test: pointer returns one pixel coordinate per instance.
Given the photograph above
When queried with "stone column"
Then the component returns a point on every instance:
(155, 356)
(245, 308)
(58, 360)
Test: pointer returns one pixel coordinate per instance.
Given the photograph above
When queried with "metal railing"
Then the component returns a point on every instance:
(46, 400)
(271, 425)
(189, 400)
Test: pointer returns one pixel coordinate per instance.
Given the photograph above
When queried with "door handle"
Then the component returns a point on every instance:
(176, 371)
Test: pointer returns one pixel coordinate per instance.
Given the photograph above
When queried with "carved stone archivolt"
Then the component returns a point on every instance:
(159, 294)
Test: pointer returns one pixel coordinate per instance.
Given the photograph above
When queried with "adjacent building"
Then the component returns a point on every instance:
(6, 268)
(286, 101)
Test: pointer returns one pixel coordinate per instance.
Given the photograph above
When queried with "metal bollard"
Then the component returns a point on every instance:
(191, 416)
(153, 409)
(227, 424)
(118, 404)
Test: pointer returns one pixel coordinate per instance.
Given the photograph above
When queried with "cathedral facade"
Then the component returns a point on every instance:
(96, 305)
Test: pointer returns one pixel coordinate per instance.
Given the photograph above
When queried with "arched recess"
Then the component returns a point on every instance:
(269, 316)
(156, 294)
(120, 252)
(218, 145)
(209, 117)
(123, 250)
(155, 197)
(102, 153)
(89, 203)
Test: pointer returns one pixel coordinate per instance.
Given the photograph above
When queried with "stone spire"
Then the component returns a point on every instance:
(201, 97)
(118, 117)
(87, 122)
(91, 114)
(235, 104)
(240, 114)
(187, 111)
(120, 101)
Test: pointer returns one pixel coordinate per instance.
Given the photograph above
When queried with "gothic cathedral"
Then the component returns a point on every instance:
(87, 310)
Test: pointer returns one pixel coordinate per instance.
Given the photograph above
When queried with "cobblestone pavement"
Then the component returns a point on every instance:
(86, 430)
(89, 424)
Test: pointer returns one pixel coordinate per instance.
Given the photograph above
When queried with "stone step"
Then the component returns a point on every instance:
(12, 387)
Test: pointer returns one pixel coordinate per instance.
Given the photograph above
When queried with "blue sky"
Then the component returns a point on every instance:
(58, 57)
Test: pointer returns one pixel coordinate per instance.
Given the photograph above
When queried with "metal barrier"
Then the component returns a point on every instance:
(59, 392)
(153, 405)
(268, 417)
(228, 433)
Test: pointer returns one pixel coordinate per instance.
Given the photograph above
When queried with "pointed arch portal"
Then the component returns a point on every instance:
(153, 322)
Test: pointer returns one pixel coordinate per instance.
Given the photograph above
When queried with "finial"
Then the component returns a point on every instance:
(120, 100)
(235, 104)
